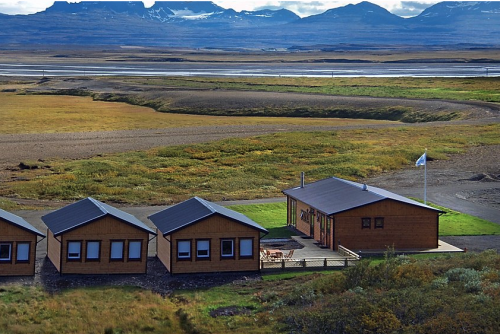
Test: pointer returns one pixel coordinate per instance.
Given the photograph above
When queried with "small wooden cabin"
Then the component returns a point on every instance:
(336, 212)
(18, 241)
(198, 236)
(91, 237)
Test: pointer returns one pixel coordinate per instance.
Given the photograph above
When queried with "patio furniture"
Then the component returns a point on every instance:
(263, 254)
(289, 255)
(274, 254)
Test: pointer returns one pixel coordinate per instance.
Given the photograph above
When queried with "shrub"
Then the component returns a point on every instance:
(439, 282)
(470, 278)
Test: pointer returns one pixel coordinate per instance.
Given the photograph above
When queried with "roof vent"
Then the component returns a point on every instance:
(365, 188)
(302, 179)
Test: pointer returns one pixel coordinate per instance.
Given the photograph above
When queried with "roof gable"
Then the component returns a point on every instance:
(193, 210)
(334, 195)
(19, 222)
(85, 211)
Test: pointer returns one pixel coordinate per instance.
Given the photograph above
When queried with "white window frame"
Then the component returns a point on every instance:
(242, 249)
(134, 254)
(184, 247)
(23, 252)
(112, 250)
(203, 245)
(222, 248)
(10, 251)
(74, 251)
(89, 247)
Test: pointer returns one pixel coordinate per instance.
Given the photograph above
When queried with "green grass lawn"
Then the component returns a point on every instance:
(454, 223)
(273, 217)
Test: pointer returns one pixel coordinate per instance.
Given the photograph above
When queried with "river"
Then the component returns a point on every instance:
(253, 70)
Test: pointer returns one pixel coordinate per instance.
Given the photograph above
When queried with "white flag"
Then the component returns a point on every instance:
(422, 160)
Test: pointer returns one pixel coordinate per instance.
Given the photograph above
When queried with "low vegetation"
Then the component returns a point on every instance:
(53, 113)
(241, 168)
(481, 89)
(460, 89)
(450, 294)
(457, 293)
(91, 310)
(390, 113)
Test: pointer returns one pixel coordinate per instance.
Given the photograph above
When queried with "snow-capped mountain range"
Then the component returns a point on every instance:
(178, 12)
(205, 24)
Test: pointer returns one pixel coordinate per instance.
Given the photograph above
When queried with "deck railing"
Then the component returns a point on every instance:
(307, 263)
(347, 252)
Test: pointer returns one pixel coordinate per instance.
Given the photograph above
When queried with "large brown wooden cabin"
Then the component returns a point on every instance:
(18, 241)
(198, 236)
(91, 237)
(336, 212)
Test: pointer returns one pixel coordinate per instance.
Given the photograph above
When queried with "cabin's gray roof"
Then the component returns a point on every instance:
(193, 210)
(20, 222)
(85, 211)
(334, 195)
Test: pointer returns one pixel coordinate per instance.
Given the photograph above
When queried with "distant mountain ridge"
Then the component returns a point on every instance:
(179, 12)
(203, 24)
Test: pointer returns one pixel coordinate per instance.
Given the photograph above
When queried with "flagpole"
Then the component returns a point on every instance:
(425, 178)
(423, 161)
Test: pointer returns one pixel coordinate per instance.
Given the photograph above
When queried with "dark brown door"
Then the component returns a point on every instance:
(311, 218)
(322, 228)
(328, 232)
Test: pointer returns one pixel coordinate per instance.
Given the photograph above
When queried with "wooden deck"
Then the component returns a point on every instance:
(311, 257)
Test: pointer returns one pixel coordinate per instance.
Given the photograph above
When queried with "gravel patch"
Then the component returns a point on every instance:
(157, 279)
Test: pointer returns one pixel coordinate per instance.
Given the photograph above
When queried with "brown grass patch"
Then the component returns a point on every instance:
(49, 114)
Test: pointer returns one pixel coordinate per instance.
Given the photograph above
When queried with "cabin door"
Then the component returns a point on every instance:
(322, 234)
(329, 232)
(311, 218)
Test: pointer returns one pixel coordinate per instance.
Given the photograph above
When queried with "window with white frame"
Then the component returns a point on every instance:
(5, 252)
(134, 249)
(202, 249)
(74, 250)
(23, 252)
(116, 253)
(246, 248)
(227, 248)
(184, 249)
(93, 250)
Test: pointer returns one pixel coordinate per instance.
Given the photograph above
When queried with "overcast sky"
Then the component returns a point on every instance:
(301, 8)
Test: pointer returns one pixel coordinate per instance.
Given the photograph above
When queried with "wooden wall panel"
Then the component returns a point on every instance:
(216, 228)
(163, 249)
(405, 227)
(105, 230)
(54, 249)
(13, 234)
(303, 226)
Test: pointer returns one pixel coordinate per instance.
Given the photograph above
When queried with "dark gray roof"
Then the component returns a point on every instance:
(193, 210)
(20, 222)
(85, 211)
(334, 195)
